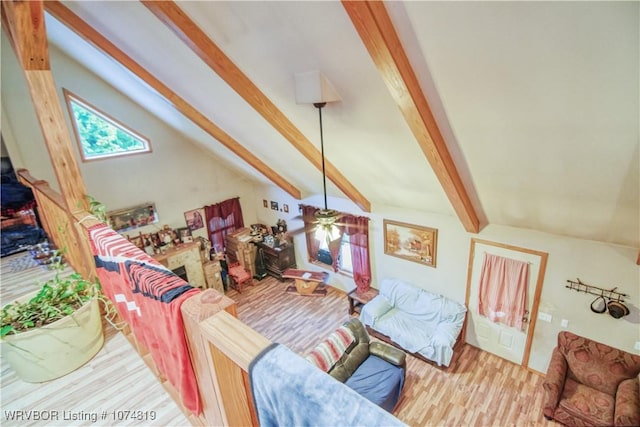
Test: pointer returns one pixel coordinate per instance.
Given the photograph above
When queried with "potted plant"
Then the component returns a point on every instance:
(53, 331)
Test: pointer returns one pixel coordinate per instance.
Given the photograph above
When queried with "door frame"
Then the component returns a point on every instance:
(536, 297)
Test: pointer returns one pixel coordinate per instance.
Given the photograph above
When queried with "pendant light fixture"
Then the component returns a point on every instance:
(314, 88)
(326, 217)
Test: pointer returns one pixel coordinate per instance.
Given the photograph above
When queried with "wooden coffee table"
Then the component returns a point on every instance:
(308, 283)
(357, 300)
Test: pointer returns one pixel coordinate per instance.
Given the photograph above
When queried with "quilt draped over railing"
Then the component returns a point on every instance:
(148, 297)
(287, 390)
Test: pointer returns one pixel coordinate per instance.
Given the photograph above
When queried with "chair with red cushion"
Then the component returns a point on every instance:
(241, 277)
(591, 384)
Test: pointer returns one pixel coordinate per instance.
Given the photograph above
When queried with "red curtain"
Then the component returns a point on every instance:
(223, 218)
(357, 228)
(334, 247)
(313, 246)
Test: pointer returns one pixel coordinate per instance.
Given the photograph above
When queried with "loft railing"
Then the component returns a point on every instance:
(222, 387)
(60, 225)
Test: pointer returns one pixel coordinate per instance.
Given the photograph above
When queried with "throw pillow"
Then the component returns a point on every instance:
(329, 351)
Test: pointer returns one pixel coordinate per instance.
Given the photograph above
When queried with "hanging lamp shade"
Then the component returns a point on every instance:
(312, 87)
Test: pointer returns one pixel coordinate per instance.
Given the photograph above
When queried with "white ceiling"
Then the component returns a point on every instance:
(538, 101)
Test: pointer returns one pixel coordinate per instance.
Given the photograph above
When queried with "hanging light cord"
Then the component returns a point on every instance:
(319, 106)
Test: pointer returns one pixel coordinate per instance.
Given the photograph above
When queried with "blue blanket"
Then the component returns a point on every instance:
(289, 391)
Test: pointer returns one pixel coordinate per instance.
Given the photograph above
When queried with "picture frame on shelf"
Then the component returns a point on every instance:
(184, 234)
(411, 242)
(137, 241)
(166, 236)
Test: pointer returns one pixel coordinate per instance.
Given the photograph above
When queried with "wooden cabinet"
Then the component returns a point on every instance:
(239, 248)
(278, 259)
(213, 275)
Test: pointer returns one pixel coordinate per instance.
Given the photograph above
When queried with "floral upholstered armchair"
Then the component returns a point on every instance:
(592, 384)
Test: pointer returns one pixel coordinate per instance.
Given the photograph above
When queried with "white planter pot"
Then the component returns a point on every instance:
(54, 350)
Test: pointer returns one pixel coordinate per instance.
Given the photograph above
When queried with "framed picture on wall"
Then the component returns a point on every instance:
(194, 219)
(274, 205)
(133, 217)
(411, 242)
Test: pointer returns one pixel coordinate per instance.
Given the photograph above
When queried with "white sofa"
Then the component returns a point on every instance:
(419, 321)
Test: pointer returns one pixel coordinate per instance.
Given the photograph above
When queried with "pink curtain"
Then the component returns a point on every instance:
(223, 218)
(357, 228)
(503, 290)
(313, 246)
(334, 247)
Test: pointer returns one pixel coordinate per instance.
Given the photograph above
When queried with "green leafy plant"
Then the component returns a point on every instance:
(57, 298)
(97, 209)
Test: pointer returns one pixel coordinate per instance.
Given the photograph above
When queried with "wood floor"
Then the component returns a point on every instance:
(479, 390)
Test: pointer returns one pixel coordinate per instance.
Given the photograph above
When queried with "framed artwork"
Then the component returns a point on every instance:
(133, 217)
(194, 219)
(264, 203)
(274, 205)
(411, 242)
(285, 208)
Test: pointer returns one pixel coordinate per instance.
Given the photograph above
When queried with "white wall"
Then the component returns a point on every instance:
(595, 263)
(177, 176)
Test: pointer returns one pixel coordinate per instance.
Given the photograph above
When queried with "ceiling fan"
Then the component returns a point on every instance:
(313, 87)
(325, 218)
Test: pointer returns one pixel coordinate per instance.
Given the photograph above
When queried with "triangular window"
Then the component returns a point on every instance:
(100, 136)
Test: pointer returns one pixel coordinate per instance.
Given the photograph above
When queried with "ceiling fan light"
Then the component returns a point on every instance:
(328, 232)
(326, 216)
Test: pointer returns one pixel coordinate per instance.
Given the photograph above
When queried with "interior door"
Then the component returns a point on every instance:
(504, 341)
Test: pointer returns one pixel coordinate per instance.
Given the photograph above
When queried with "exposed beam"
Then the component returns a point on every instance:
(25, 21)
(371, 20)
(189, 32)
(25, 24)
(88, 33)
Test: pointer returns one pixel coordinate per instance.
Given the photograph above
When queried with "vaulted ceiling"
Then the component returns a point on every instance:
(536, 103)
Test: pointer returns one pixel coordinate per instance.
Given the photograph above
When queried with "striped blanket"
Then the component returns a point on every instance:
(148, 297)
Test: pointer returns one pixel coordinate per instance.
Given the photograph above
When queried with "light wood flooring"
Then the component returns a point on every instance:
(479, 390)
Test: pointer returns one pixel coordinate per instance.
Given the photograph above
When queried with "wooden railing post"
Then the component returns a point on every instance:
(232, 345)
(194, 310)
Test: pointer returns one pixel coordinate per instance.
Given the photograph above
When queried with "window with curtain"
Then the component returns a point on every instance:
(344, 255)
(222, 219)
(350, 249)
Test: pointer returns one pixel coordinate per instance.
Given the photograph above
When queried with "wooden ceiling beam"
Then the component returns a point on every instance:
(88, 33)
(198, 41)
(24, 21)
(25, 24)
(371, 20)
